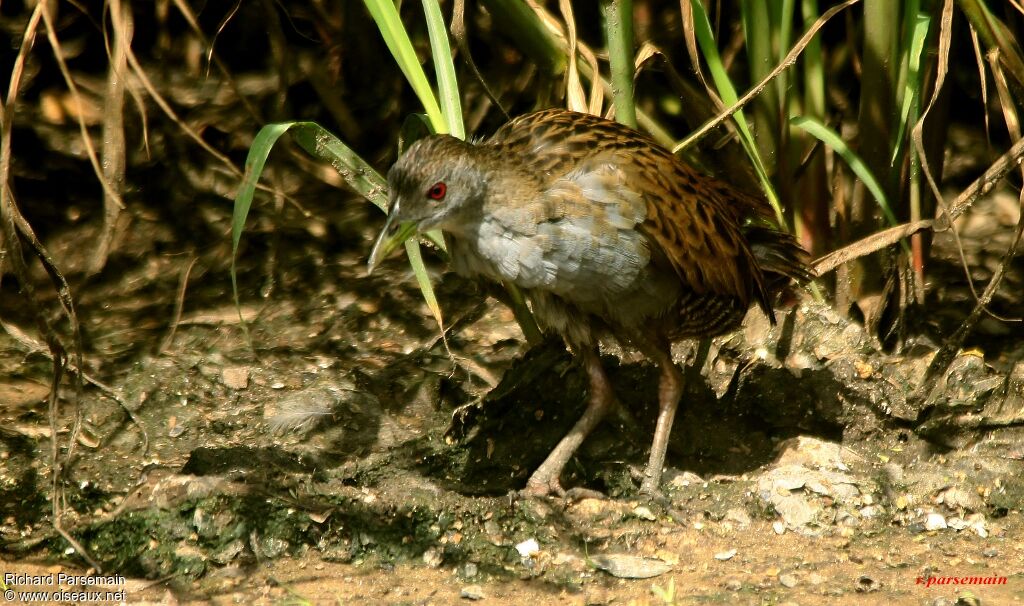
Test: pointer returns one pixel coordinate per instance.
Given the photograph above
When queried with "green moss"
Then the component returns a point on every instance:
(141, 544)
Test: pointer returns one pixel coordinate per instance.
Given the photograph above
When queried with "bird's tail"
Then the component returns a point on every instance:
(779, 256)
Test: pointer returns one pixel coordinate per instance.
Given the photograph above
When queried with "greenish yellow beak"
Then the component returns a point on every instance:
(391, 237)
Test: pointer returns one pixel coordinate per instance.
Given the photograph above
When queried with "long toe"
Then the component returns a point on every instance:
(579, 493)
(543, 487)
(545, 480)
(648, 487)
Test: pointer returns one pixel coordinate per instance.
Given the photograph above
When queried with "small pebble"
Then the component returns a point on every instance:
(432, 557)
(740, 516)
(687, 478)
(934, 521)
(866, 584)
(725, 555)
(235, 377)
(871, 511)
(626, 566)
(788, 579)
(957, 523)
(991, 552)
(733, 585)
(596, 596)
(915, 528)
(527, 548)
(644, 513)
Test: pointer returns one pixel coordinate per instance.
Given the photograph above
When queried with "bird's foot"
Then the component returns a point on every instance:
(553, 488)
(656, 495)
(650, 485)
(543, 487)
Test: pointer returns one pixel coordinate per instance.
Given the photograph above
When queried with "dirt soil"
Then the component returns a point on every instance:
(350, 456)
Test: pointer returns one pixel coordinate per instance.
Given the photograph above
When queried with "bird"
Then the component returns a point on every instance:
(608, 235)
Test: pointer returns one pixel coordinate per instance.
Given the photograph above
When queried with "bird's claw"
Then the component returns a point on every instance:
(554, 488)
(543, 488)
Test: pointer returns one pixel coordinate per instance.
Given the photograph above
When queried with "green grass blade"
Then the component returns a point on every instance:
(531, 35)
(832, 139)
(254, 163)
(912, 85)
(910, 11)
(391, 29)
(321, 143)
(706, 41)
(995, 34)
(414, 128)
(359, 175)
(814, 65)
(760, 22)
(412, 250)
(829, 137)
(444, 69)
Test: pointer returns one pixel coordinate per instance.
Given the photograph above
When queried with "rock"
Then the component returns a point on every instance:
(957, 523)
(788, 579)
(684, 479)
(433, 557)
(871, 511)
(625, 566)
(268, 547)
(957, 498)
(528, 548)
(934, 521)
(725, 555)
(596, 596)
(740, 516)
(472, 592)
(235, 377)
(978, 524)
(866, 584)
(813, 453)
(792, 491)
(644, 513)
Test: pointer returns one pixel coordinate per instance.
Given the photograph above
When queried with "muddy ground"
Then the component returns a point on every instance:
(353, 457)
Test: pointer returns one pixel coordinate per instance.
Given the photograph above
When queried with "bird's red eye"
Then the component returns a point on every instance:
(437, 191)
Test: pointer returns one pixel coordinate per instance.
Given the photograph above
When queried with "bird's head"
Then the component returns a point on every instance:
(432, 186)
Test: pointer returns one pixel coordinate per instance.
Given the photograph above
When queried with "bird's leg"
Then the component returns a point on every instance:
(545, 480)
(670, 390)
